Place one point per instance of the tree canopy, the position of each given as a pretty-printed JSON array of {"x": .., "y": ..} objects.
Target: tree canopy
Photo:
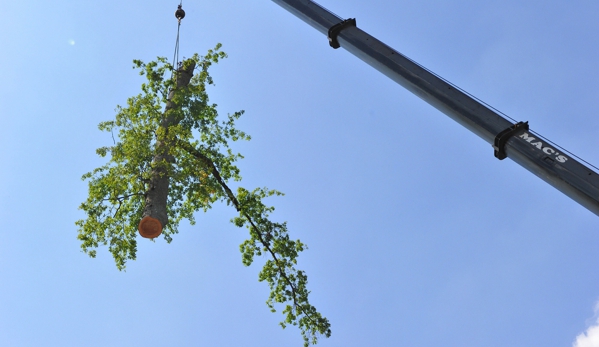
[{"x": 172, "y": 132}]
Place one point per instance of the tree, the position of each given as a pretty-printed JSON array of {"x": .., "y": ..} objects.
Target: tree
[{"x": 167, "y": 165}]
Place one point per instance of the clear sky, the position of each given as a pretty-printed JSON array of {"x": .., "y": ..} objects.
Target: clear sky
[{"x": 417, "y": 235}]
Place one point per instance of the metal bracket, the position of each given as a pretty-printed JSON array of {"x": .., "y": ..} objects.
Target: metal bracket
[
  {"x": 502, "y": 137},
  {"x": 336, "y": 29}
]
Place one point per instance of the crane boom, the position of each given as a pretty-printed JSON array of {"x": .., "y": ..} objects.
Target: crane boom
[{"x": 511, "y": 140}]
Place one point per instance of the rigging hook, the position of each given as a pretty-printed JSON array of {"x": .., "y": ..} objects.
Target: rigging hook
[{"x": 179, "y": 14}]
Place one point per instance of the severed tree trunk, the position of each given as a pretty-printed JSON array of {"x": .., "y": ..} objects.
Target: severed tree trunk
[{"x": 155, "y": 217}]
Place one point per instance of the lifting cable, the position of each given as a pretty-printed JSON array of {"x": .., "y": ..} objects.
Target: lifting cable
[{"x": 179, "y": 14}]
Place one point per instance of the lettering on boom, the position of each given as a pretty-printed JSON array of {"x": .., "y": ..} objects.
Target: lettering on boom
[{"x": 546, "y": 149}]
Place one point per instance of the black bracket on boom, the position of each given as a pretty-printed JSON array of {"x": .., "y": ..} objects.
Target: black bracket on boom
[
  {"x": 502, "y": 137},
  {"x": 336, "y": 29}
]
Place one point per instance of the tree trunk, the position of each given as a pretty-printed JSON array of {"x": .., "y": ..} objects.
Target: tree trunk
[{"x": 155, "y": 216}]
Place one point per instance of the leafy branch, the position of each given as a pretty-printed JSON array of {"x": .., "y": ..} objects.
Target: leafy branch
[
  {"x": 170, "y": 138},
  {"x": 274, "y": 239}
]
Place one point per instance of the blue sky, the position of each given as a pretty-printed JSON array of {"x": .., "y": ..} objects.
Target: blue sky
[{"x": 417, "y": 235}]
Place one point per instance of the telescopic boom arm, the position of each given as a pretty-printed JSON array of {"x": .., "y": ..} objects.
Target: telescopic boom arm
[{"x": 508, "y": 140}]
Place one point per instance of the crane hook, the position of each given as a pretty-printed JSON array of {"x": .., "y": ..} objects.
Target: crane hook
[{"x": 179, "y": 14}]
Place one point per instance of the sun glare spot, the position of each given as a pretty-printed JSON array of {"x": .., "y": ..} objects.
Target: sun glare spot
[{"x": 71, "y": 42}]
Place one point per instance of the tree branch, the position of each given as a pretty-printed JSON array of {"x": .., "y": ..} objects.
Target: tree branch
[
  {"x": 120, "y": 199},
  {"x": 204, "y": 159}
]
